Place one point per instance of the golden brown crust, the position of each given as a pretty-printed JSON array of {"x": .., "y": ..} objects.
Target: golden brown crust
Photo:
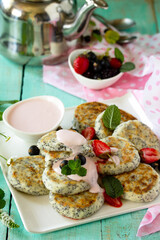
[
  {"x": 86, "y": 113},
  {"x": 81, "y": 200},
  {"x": 139, "y": 181}
]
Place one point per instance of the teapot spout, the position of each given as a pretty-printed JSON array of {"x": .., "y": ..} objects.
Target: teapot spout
[{"x": 75, "y": 27}]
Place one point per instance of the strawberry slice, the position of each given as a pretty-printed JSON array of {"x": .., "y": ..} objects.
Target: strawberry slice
[
  {"x": 149, "y": 155},
  {"x": 115, "y": 202},
  {"x": 115, "y": 63},
  {"x": 81, "y": 64},
  {"x": 88, "y": 133},
  {"x": 101, "y": 149}
]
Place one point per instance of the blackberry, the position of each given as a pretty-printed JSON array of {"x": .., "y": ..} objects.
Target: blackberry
[
  {"x": 88, "y": 74},
  {"x": 97, "y": 76}
]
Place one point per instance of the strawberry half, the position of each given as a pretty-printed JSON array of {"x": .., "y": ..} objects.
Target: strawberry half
[
  {"x": 88, "y": 133},
  {"x": 101, "y": 149},
  {"x": 115, "y": 63},
  {"x": 81, "y": 64},
  {"x": 149, "y": 155},
  {"x": 115, "y": 202}
]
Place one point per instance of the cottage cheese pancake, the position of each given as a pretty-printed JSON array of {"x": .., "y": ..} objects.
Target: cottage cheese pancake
[
  {"x": 102, "y": 131},
  {"x": 61, "y": 184},
  {"x": 25, "y": 174},
  {"x": 140, "y": 185},
  {"x": 50, "y": 142},
  {"x": 77, "y": 206},
  {"x": 138, "y": 133},
  {"x": 86, "y": 113},
  {"x": 54, "y": 155},
  {"x": 128, "y": 156}
]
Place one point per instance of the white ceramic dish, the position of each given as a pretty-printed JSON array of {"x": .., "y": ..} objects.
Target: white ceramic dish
[
  {"x": 34, "y": 136},
  {"x": 38, "y": 215},
  {"x": 87, "y": 82}
]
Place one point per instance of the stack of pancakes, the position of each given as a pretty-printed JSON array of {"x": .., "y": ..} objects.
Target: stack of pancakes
[
  {"x": 72, "y": 198},
  {"x": 140, "y": 181}
]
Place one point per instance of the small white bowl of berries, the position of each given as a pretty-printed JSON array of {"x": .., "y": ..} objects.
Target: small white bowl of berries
[{"x": 95, "y": 70}]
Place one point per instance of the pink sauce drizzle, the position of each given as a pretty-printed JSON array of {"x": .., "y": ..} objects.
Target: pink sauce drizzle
[{"x": 74, "y": 140}]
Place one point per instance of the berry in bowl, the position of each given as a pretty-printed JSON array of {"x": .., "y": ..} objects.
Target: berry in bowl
[{"x": 96, "y": 70}]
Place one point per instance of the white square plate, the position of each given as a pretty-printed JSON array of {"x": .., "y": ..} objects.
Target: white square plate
[{"x": 36, "y": 213}]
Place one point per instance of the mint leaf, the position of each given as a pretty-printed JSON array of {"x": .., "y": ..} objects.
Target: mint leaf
[
  {"x": 128, "y": 66},
  {"x": 97, "y": 37},
  {"x": 2, "y": 203},
  {"x": 66, "y": 170},
  {"x": 111, "y": 117},
  {"x": 82, "y": 172},
  {"x": 111, "y": 36},
  {"x": 113, "y": 186},
  {"x": 74, "y": 164},
  {"x": 2, "y": 194},
  {"x": 119, "y": 55}
]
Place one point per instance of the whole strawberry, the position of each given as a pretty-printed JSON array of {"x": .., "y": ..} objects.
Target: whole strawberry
[
  {"x": 115, "y": 63},
  {"x": 81, "y": 64}
]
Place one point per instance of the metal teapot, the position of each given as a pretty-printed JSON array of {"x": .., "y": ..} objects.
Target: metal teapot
[{"x": 39, "y": 32}]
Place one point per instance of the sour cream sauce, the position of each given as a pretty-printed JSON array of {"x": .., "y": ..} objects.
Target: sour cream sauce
[
  {"x": 74, "y": 140},
  {"x": 34, "y": 115}
]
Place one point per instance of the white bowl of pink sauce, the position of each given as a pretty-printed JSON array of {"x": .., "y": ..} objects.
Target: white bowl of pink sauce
[{"x": 31, "y": 118}]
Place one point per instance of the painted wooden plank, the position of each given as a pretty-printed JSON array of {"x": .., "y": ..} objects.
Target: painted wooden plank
[
  {"x": 140, "y": 11},
  {"x": 10, "y": 88},
  {"x": 157, "y": 13},
  {"x": 34, "y": 86}
]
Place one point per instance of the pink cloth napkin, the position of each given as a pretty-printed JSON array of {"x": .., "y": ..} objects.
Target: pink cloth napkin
[
  {"x": 151, "y": 222},
  {"x": 143, "y": 81}
]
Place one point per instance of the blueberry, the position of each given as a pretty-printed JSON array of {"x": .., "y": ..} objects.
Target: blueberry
[
  {"x": 63, "y": 163},
  {"x": 87, "y": 38},
  {"x": 33, "y": 150},
  {"x": 91, "y": 56},
  {"x": 96, "y": 31},
  {"x": 81, "y": 157},
  {"x": 105, "y": 62}
]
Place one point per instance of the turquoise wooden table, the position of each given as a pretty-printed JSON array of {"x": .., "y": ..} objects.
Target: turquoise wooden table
[{"x": 21, "y": 82}]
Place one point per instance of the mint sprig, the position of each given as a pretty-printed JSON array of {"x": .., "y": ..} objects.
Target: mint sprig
[
  {"x": 119, "y": 55},
  {"x": 128, "y": 66},
  {"x": 111, "y": 117},
  {"x": 74, "y": 167},
  {"x": 113, "y": 186}
]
